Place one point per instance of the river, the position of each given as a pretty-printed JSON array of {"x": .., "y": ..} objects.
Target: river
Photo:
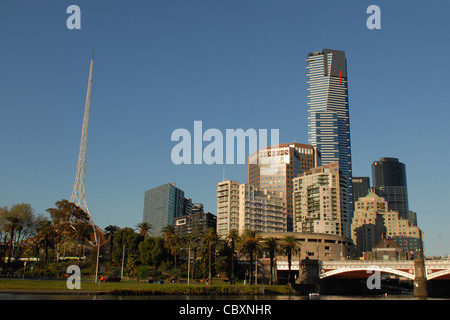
[{"x": 10, "y": 296}]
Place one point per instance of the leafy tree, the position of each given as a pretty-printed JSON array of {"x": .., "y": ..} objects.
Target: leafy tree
[
  {"x": 67, "y": 217},
  {"x": 17, "y": 224},
  {"x": 125, "y": 238},
  {"x": 250, "y": 245},
  {"x": 289, "y": 247},
  {"x": 151, "y": 251}
]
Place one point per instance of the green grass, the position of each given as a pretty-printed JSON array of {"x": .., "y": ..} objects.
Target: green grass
[{"x": 137, "y": 288}]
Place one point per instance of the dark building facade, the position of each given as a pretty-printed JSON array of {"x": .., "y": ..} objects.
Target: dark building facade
[
  {"x": 196, "y": 222},
  {"x": 361, "y": 187},
  {"x": 389, "y": 180}
]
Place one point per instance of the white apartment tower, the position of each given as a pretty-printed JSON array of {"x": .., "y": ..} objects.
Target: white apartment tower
[
  {"x": 320, "y": 201},
  {"x": 243, "y": 206}
]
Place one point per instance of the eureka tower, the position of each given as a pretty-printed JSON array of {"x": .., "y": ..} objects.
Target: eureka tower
[{"x": 328, "y": 111}]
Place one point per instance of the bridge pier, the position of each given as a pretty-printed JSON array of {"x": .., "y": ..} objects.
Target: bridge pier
[
  {"x": 308, "y": 280},
  {"x": 420, "y": 278}
]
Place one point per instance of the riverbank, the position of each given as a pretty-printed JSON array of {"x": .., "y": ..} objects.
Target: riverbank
[{"x": 137, "y": 288}]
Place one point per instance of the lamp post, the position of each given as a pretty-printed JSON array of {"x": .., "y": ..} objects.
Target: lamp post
[{"x": 189, "y": 261}]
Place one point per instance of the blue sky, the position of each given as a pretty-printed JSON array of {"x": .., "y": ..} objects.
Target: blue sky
[{"x": 161, "y": 65}]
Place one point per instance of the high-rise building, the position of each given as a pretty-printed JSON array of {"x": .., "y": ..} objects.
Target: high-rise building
[
  {"x": 197, "y": 208},
  {"x": 360, "y": 188},
  {"x": 244, "y": 206},
  {"x": 161, "y": 205},
  {"x": 328, "y": 110},
  {"x": 389, "y": 179},
  {"x": 320, "y": 201},
  {"x": 273, "y": 168},
  {"x": 195, "y": 222}
]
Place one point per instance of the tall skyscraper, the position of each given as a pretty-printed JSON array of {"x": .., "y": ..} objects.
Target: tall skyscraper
[
  {"x": 162, "y": 205},
  {"x": 389, "y": 179},
  {"x": 273, "y": 168},
  {"x": 328, "y": 110}
]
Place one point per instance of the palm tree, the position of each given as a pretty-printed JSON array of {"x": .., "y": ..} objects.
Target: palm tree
[
  {"x": 251, "y": 246},
  {"x": 171, "y": 242},
  {"x": 271, "y": 247},
  {"x": 13, "y": 224},
  {"x": 144, "y": 229},
  {"x": 289, "y": 247},
  {"x": 111, "y": 232},
  {"x": 210, "y": 238},
  {"x": 233, "y": 237},
  {"x": 46, "y": 234}
]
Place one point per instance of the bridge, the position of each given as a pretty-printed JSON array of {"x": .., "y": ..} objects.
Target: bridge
[{"x": 434, "y": 269}]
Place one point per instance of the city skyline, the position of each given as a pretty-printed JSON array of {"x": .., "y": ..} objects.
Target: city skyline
[{"x": 162, "y": 66}]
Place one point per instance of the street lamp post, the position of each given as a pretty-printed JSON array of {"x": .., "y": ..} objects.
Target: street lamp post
[{"x": 189, "y": 261}]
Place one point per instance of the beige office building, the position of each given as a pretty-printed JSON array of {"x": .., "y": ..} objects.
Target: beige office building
[
  {"x": 373, "y": 222},
  {"x": 321, "y": 201},
  {"x": 243, "y": 206}
]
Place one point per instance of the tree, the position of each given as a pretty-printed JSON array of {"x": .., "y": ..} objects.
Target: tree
[
  {"x": 66, "y": 218},
  {"x": 210, "y": 238},
  {"x": 271, "y": 247},
  {"x": 171, "y": 242},
  {"x": 233, "y": 238},
  {"x": 251, "y": 245},
  {"x": 128, "y": 238},
  {"x": 110, "y": 233},
  {"x": 46, "y": 235},
  {"x": 144, "y": 229},
  {"x": 151, "y": 251},
  {"x": 17, "y": 224},
  {"x": 289, "y": 247}
]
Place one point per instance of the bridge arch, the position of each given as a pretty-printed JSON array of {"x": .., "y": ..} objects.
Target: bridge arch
[
  {"x": 439, "y": 274},
  {"x": 368, "y": 270}
]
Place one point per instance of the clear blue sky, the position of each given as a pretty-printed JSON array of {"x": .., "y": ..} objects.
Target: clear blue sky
[{"x": 160, "y": 65}]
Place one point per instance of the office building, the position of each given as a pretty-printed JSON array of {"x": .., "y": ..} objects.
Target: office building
[
  {"x": 197, "y": 208},
  {"x": 273, "y": 168},
  {"x": 328, "y": 111},
  {"x": 161, "y": 205},
  {"x": 389, "y": 179},
  {"x": 368, "y": 224},
  {"x": 360, "y": 188},
  {"x": 321, "y": 201},
  {"x": 195, "y": 222},
  {"x": 244, "y": 206},
  {"x": 374, "y": 221}
]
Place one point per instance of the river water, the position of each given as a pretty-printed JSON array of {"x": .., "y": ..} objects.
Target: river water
[{"x": 8, "y": 296}]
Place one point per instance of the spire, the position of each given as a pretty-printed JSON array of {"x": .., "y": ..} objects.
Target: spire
[{"x": 79, "y": 191}]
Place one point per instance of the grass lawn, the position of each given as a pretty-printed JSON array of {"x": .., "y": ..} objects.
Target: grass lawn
[{"x": 138, "y": 288}]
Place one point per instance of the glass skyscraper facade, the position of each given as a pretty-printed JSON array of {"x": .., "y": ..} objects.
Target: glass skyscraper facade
[
  {"x": 328, "y": 111},
  {"x": 162, "y": 205}
]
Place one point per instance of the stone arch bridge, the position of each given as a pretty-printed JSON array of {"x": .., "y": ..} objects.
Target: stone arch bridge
[{"x": 434, "y": 269}]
